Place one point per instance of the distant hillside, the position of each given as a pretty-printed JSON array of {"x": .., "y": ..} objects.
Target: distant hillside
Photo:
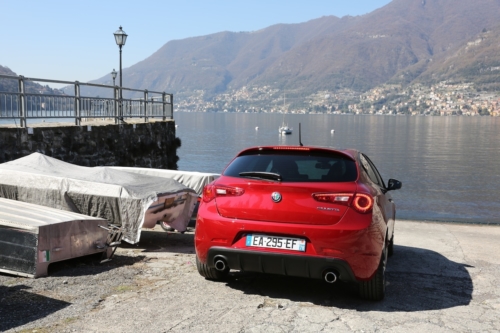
[
  {"x": 405, "y": 41},
  {"x": 10, "y": 85},
  {"x": 7, "y": 85},
  {"x": 386, "y": 42},
  {"x": 477, "y": 61}
]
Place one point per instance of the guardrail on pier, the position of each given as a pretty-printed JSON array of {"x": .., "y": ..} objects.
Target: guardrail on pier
[{"x": 29, "y": 103}]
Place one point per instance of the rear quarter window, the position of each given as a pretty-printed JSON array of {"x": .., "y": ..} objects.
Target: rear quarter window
[{"x": 297, "y": 167}]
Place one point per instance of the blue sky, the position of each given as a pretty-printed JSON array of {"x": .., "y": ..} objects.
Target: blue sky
[{"x": 73, "y": 40}]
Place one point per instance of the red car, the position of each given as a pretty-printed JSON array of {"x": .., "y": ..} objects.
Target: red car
[{"x": 299, "y": 211}]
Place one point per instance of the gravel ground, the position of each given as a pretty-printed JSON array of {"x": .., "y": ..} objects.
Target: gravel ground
[
  {"x": 79, "y": 286},
  {"x": 442, "y": 278}
]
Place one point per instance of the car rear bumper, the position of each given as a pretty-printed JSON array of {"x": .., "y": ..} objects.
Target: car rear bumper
[
  {"x": 281, "y": 264},
  {"x": 355, "y": 242}
]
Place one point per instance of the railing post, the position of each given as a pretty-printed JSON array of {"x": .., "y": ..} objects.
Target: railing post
[
  {"x": 78, "y": 118},
  {"x": 163, "y": 102},
  {"x": 22, "y": 103},
  {"x": 171, "y": 106},
  {"x": 152, "y": 110},
  {"x": 146, "y": 106},
  {"x": 117, "y": 115}
]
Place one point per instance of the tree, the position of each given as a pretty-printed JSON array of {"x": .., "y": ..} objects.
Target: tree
[{"x": 483, "y": 112}]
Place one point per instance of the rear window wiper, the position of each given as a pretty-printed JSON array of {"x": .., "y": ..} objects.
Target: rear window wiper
[{"x": 261, "y": 175}]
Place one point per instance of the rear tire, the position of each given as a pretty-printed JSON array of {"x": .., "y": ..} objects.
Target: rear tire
[
  {"x": 210, "y": 273},
  {"x": 374, "y": 289}
]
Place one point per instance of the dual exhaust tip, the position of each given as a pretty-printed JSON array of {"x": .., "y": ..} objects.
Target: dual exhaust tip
[{"x": 330, "y": 276}]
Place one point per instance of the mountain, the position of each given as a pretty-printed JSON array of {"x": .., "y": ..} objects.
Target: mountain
[
  {"x": 384, "y": 43},
  {"x": 225, "y": 60},
  {"x": 405, "y": 41}
]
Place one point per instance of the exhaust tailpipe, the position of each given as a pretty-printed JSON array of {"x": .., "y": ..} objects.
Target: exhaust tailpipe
[
  {"x": 220, "y": 264},
  {"x": 330, "y": 276}
]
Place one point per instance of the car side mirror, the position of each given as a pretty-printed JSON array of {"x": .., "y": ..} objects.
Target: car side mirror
[{"x": 394, "y": 184}]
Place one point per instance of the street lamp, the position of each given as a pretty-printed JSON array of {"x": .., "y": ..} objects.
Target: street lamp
[
  {"x": 120, "y": 38},
  {"x": 113, "y": 75}
]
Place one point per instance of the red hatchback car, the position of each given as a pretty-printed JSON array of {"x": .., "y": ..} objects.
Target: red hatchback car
[{"x": 299, "y": 211}]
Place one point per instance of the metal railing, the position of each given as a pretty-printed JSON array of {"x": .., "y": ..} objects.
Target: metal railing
[{"x": 28, "y": 103}]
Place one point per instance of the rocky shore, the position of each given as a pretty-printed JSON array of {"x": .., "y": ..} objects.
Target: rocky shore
[{"x": 442, "y": 278}]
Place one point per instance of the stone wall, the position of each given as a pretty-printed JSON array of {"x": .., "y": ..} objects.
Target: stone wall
[{"x": 149, "y": 145}]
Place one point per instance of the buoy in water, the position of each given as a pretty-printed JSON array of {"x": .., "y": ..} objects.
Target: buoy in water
[
  {"x": 256, "y": 128},
  {"x": 332, "y": 131}
]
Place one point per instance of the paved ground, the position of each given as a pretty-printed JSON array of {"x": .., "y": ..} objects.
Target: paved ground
[{"x": 442, "y": 278}]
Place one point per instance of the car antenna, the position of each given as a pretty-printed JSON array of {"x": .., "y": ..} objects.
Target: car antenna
[{"x": 300, "y": 136}]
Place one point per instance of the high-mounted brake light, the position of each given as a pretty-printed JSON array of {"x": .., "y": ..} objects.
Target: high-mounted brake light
[
  {"x": 290, "y": 148},
  {"x": 362, "y": 203},
  {"x": 211, "y": 192}
]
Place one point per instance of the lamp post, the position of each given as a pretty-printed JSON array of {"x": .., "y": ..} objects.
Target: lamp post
[
  {"x": 120, "y": 38},
  {"x": 113, "y": 75}
]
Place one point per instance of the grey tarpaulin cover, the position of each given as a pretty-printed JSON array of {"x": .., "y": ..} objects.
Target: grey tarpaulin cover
[
  {"x": 128, "y": 199},
  {"x": 192, "y": 179}
]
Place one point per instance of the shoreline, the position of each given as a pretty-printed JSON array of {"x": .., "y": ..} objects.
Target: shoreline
[
  {"x": 475, "y": 223},
  {"x": 88, "y": 122}
]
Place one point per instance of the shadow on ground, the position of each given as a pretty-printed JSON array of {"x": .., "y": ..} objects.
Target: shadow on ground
[
  {"x": 158, "y": 240},
  {"x": 89, "y": 265},
  {"x": 18, "y": 306},
  {"x": 418, "y": 280}
]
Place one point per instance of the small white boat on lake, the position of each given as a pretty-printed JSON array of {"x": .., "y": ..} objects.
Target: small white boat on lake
[{"x": 285, "y": 129}]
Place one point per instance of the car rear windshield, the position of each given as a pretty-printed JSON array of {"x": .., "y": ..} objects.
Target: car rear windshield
[{"x": 294, "y": 167}]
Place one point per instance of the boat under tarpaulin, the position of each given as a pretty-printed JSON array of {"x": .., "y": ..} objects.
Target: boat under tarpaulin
[
  {"x": 192, "y": 179},
  {"x": 130, "y": 200}
]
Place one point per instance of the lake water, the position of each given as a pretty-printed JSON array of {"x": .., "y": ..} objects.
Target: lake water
[{"x": 449, "y": 166}]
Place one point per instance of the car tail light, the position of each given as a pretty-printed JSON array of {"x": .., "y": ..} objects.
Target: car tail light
[
  {"x": 211, "y": 192},
  {"x": 362, "y": 203}
]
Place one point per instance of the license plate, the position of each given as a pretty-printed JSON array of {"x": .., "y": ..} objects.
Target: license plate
[{"x": 273, "y": 242}]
